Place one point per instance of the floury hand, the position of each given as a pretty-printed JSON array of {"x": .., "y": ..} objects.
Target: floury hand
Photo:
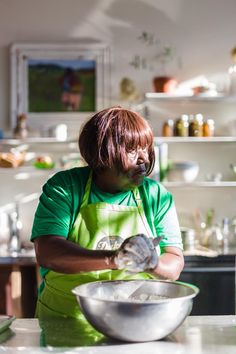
[{"x": 137, "y": 254}]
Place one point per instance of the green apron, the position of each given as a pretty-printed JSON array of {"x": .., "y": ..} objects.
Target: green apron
[{"x": 98, "y": 226}]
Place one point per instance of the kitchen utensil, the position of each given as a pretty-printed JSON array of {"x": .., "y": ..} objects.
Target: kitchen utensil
[
  {"x": 189, "y": 238},
  {"x": 108, "y": 308}
]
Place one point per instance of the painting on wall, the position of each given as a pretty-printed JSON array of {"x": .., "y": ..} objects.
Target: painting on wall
[
  {"x": 50, "y": 81},
  {"x": 61, "y": 85}
]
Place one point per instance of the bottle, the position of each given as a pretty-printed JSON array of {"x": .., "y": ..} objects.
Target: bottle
[
  {"x": 167, "y": 128},
  {"x": 21, "y": 129},
  {"x": 208, "y": 128},
  {"x": 226, "y": 234},
  {"x": 181, "y": 126},
  {"x": 196, "y": 125}
]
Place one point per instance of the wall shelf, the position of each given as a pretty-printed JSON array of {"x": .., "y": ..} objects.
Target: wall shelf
[
  {"x": 177, "y": 139},
  {"x": 201, "y": 97},
  {"x": 35, "y": 140},
  {"x": 204, "y": 184}
]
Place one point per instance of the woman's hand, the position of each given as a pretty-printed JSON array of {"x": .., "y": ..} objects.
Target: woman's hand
[{"x": 137, "y": 254}]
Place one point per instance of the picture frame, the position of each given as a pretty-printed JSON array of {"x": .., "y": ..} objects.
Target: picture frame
[{"x": 42, "y": 89}]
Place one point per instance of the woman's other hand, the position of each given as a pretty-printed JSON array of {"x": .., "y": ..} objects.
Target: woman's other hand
[{"x": 137, "y": 254}]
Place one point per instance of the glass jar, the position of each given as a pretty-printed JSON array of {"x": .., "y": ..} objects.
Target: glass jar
[
  {"x": 208, "y": 128},
  {"x": 196, "y": 125},
  {"x": 168, "y": 128},
  {"x": 181, "y": 126}
]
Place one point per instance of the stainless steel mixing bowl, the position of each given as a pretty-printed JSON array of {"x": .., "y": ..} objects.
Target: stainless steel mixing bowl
[{"x": 110, "y": 307}]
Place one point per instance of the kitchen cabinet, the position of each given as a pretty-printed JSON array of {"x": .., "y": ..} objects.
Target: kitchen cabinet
[
  {"x": 18, "y": 296},
  {"x": 213, "y": 154},
  {"x": 215, "y": 277}
]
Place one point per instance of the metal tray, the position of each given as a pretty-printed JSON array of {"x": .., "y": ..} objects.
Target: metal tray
[{"x": 5, "y": 322}]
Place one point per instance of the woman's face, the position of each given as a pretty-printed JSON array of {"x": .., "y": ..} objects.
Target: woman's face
[
  {"x": 114, "y": 181},
  {"x": 138, "y": 162}
]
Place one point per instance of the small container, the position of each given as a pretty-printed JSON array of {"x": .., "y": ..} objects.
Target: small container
[
  {"x": 168, "y": 128},
  {"x": 189, "y": 238},
  {"x": 208, "y": 128},
  {"x": 181, "y": 126},
  {"x": 196, "y": 125}
]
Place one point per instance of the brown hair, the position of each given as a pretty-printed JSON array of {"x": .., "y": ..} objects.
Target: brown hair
[{"x": 110, "y": 134}]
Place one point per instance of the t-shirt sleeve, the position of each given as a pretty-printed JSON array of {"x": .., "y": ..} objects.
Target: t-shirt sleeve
[
  {"x": 53, "y": 214},
  {"x": 166, "y": 221}
]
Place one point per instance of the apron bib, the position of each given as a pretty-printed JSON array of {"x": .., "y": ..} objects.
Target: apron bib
[{"x": 98, "y": 226}]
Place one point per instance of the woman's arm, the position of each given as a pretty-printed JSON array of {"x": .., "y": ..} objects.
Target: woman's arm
[
  {"x": 63, "y": 256},
  {"x": 170, "y": 264}
]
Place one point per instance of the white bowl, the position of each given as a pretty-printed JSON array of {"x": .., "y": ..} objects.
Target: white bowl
[{"x": 183, "y": 171}]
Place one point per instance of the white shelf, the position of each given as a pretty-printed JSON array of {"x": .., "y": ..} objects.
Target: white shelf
[
  {"x": 35, "y": 140},
  {"x": 204, "y": 184},
  {"x": 200, "y": 97},
  {"x": 189, "y": 139},
  {"x": 29, "y": 170}
]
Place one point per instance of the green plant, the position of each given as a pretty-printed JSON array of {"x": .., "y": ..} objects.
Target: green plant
[{"x": 158, "y": 54}]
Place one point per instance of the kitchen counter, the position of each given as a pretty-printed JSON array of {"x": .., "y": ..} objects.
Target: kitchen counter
[{"x": 198, "y": 334}]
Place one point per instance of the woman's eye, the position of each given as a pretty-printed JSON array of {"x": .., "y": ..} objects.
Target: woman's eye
[{"x": 132, "y": 155}]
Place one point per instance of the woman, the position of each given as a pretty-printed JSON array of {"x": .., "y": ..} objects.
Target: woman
[{"x": 97, "y": 222}]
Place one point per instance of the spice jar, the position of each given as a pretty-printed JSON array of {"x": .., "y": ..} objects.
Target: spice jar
[
  {"x": 208, "y": 127},
  {"x": 196, "y": 125},
  {"x": 181, "y": 126},
  {"x": 167, "y": 128}
]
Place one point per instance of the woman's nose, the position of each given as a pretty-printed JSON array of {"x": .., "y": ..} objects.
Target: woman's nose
[{"x": 142, "y": 157}]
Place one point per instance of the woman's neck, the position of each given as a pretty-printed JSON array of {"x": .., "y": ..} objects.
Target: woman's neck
[{"x": 109, "y": 181}]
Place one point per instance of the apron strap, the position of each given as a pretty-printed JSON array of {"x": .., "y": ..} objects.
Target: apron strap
[
  {"x": 87, "y": 190},
  {"x": 139, "y": 203}
]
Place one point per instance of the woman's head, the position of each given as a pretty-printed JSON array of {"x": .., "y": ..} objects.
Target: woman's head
[{"x": 115, "y": 135}]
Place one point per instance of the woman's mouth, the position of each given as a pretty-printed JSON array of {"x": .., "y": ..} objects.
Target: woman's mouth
[
  {"x": 140, "y": 170},
  {"x": 138, "y": 173}
]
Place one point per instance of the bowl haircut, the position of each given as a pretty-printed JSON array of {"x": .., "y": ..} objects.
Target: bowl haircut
[{"x": 109, "y": 135}]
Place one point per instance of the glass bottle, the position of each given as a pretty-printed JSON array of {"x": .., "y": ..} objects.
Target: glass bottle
[
  {"x": 226, "y": 234},
  {"x": 181, "y": 126},
  {"x": 208, "y": 128},
  {"x": 168, "y": 128},
  {"x": 196, "y": 125}
]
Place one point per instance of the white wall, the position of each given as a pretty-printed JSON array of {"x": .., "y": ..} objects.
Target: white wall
[{"x": 202, "y": 32}]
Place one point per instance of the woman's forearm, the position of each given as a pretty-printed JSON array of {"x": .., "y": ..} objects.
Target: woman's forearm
[
  {"x": 61, "y": 255},
  {"x": 170, "y": 264}
]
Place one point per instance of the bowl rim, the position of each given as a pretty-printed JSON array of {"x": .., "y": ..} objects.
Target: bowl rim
[{"x": 194, "y": 288}]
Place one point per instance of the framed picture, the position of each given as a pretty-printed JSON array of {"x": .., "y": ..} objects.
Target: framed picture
[{"x": 53, "y": 81}]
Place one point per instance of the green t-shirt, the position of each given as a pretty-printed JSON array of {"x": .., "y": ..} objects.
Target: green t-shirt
[{"x": 62, "y": 196}]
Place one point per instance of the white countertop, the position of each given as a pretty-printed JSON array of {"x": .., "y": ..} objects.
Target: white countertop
[{"x": 198, "y": 334}]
